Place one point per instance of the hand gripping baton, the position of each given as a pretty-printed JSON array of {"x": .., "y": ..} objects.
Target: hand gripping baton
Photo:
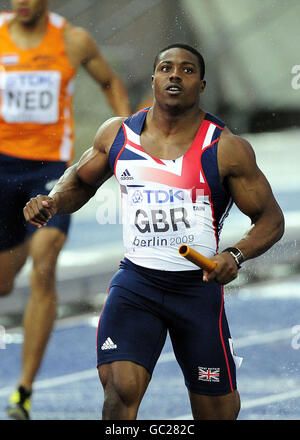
[{"x": 196, "y": 258}]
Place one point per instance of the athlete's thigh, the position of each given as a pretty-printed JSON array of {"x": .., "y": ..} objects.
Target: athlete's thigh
[
  {"x": 130, "y": 328},
  {"x": 11, "y": 261},
  {"x": 124, "y": 380},
  {"x": 201, "y": 340},
  {"x": 45, "y": 246},
  {"x": 12, "y": 201}
]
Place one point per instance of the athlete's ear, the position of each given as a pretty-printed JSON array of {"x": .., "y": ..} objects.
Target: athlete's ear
[
  {"x": 152, "y": 78},
  {"x": 202, "y": 85}
]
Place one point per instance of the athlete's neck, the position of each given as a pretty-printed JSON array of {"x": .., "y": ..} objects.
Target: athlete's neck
[
  {"x": 27, "y": 34},
  {"x": 171, "y": 123}
]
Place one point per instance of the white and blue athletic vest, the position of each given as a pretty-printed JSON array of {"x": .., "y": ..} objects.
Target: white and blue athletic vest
[{"x": 167, "y": 203}]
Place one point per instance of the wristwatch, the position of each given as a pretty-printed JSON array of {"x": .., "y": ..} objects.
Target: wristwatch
[{"x": 236, "y": 255}]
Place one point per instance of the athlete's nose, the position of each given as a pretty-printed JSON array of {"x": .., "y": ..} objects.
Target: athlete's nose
[
  {"x": 22, "y": 2},
  {"x": 175, "y": 75}
]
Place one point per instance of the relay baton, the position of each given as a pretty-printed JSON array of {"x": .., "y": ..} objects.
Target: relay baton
[{"x": 196, "y": 258}]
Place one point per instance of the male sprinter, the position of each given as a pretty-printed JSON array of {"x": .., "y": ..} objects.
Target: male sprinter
[
  {"x": 40, "y": 53},
  {"x": 185, "y": 168}
]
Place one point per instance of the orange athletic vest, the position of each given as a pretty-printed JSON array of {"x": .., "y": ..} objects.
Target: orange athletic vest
[{"x": 36, "y": 94}]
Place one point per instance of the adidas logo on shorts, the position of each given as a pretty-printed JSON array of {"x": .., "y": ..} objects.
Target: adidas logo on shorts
[{"x": 108, "y": 345}]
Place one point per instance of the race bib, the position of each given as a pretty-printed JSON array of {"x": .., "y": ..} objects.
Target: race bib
[
  {"x": 160, "y": 217},
  {"x": 30, "y": 96}
]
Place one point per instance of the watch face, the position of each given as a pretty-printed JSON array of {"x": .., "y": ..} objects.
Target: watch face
[
  {"x": 236, "y": 255},
  {"x": 235, "y": 258},
  {"x": 240, "y": 257}
]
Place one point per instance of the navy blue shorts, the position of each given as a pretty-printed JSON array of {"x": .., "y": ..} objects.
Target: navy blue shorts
[
  {"x": 144, "y": 304},
  {"x": 20, "y": 180}
]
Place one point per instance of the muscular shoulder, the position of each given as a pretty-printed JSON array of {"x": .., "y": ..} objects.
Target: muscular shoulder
[
  {"x": 106, "y": 134},
  {"x": 235, "y": 154},
  {"x": 93, "y": 167},
  {"x": 79, "y": 43}
]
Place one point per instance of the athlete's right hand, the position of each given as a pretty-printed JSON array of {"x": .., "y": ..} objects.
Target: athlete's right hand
[{"x": 39, "y": 210}]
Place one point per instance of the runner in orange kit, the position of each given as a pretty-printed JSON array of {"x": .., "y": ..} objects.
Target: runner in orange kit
[{"x": 40, "y": 53}]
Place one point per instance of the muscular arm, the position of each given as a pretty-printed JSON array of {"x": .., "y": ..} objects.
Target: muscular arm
[
  {"x": 70, "y": 193},
  {"x": 83, "y": 50},
  {"x": 79, "y": 182},
  {"x": 252, "y": 194}
]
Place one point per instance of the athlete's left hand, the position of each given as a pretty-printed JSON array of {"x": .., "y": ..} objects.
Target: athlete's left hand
[{"x": 225, "y": 271}]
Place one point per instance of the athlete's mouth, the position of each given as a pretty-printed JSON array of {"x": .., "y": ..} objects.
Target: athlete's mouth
[
  {"x": 23, "y": 12},
  {"x": 174, "y": 88}
]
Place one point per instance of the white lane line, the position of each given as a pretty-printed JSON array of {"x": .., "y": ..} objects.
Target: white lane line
[
  {"x": 260, "y": 401},
  {"x": 267, "y": 400},
  {"x": 55, "y": 381},
  {"x": 256, "y": 339},
  {"x": 75, "y": 377},
  {"x": 263, "y": 338}
]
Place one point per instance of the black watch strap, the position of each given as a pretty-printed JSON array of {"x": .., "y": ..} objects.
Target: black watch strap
[{"x": 236, "y": 255}]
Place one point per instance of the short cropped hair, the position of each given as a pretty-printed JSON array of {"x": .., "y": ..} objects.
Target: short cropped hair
[{"x": 186, "y": 47}]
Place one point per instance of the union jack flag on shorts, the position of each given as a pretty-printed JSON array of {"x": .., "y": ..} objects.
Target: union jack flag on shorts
[{"x": 209, "y": 374}]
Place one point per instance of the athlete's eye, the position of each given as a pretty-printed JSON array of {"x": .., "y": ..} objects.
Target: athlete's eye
[
  {"x": 165, "y": 68},
  {"x": 188, "y": 70}
]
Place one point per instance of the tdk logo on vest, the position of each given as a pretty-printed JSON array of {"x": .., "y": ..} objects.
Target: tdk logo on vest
[
  {"x": 162, "y": 196},
  {"x": 30, "y": 79},
  {"x": 126, "y": 175},
  {"x": 137, "y": 196}
]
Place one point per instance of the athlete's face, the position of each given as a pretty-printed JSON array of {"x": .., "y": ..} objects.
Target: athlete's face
[
  {"x": 29, "y": 11},
  {"x": 176, "y": 80}
]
